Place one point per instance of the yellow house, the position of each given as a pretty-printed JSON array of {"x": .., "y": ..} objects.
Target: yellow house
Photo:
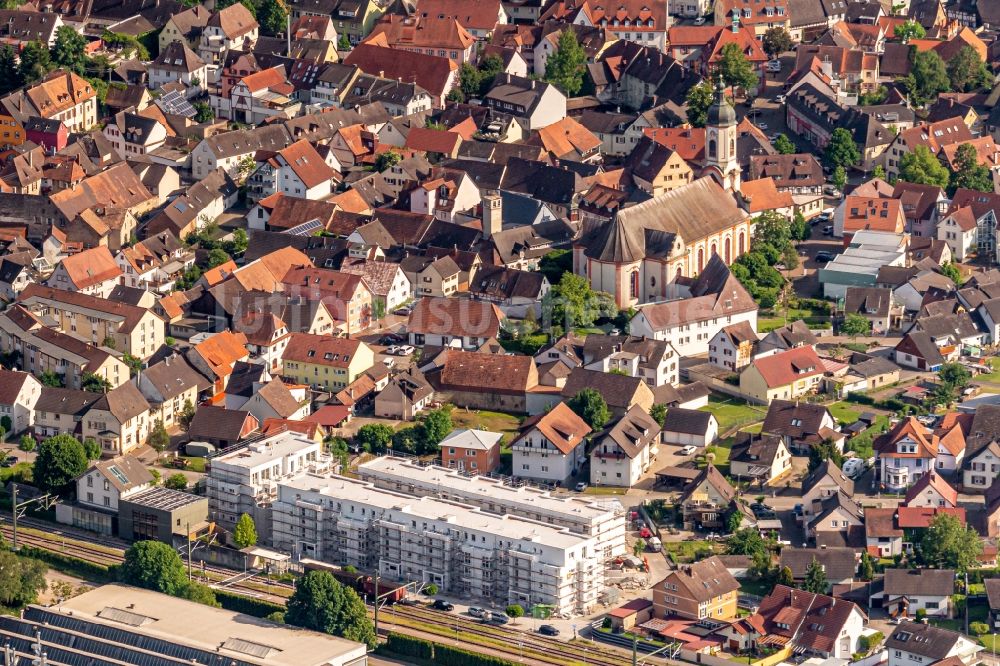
[
  {"x": 11, "y": 130},
  {"x": 699, "y": 591},
  {"x": 324, "y": 361},
  {"x": 657, "y": 169},
  {"x": 784, "y": 376}
]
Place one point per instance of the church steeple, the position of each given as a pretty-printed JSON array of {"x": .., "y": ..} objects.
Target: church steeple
[{"x": 720, "y": 141}]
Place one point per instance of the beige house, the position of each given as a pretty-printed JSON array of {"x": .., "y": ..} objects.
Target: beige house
[
  {"x": 761, "y": 458},
  {"x": 119, "y": 421},
  {"x": 59, "y": 410},
  {"x": 786, "y": 376},
  {"x": 404, "y": 396},
  {"x": 43, "y": 349},
  {"x": 960, "y": 231},
  {"x": 438, "y": 278},
  {"x": 168, "y": 386},
  {"x": 127, "y": 328}
]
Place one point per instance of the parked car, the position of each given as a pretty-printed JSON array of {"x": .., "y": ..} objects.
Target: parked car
[
  {"x": 9, "y": 461},
  {"x": 700, "y": 20},
  {"x": 645, "y": 533},
  {"x": 389, "y": 362},
  {"x": 580, "y": 487},
  {"x": 409, "y": 601},
  {"x": 475, "y": 611},
  {"x": 687, "y": 450},
  {"x": 402, "y": 312},
  {"x": 548, "y": 630},
  {"x": 831, "y": 191},
  {"x": 495, "y": 617},
  {"x": 762, "y": 125},
  {"x": 391, "y": 339},
  {"x": 762, "y": 511},
  {"x": 392, "y": 349},
  {"x": 828, "y": 230},
  {"x": 823, "y": 256},
  {"x": 442, "y": 605},
  {"x": 853, "y": 468},
  {"x": 780, "y": 99},
  {"x": 774, "y": 66},
  {"x": 404, "y": 350}
]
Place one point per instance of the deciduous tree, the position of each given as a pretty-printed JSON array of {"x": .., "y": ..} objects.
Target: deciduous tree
[
  {"x": 321, "y": 603},
  {"x": 60, "y": 460},
  {"x": 21, "y": 579},
  {"x": 69, "y": 49},
  {"x": 245, "y": 532},
  {"x": 590, "y": 406},
  {"x": 735, "y": 68},
  {"x": 969, "y": 174},
  {"x": 698, "y": 99},
  {"x": 922, "y": 167},
  {"x": 784, "y": 145},
  {"x": 777, "y": 40},
  {"x": 155, "y": 566},
  {"x": 567, "y": 65},
  {"x": 842, "y": 151},
  {"x": 967, "y": 71},
  {"x": 948, "y": 544}
]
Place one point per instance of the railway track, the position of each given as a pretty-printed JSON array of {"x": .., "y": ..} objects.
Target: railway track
[
  {"x": 511, "y": 642},
  {"x": 597, "y": 654}
]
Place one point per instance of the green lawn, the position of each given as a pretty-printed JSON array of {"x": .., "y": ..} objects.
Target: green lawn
[
  {"x": 845, "y": 412},
  {"x": 195, "y": 464},
  {"x": 778, "y": 317},
  {"x": 687, "y": 551},
  {"x": 731, "y": 412},
  {"x": 756, "y": 586},
  {"x": 991, "y": 377},
  {"x": 484, "y": 420},
  {"x": 754, "y": 429}
]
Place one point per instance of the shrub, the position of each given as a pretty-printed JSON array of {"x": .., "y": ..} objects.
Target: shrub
[
  {"x": 247, "y": 605},
  {"x": 409, "y": 646},
  {"x": 921, "y": 614},
  {"x": 869, "y": 643},
  {"x": 431, "y": 590},
  {"x": 979, "y": 628}
]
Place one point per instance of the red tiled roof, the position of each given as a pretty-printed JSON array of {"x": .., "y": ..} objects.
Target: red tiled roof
[{"x": 789, "y": 366}]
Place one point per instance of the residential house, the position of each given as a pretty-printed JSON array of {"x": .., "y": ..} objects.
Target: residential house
[
  {"x": 43, "y": 349},
  {"x": 620, "y": 392},
  {"x": 220, "y": 427},
  {"x": 982, "y": 455},
  {"x": 177, "y": 62},
  {"x": 62, "y": 96},
  {"x": 436, "y": 75},
  {"x": 228, "y": 150},
  {"x": 839, "y": 564},
  {"x": 931, "y": 490},
  {"x": 801, "y": 425},
  {"x": 761, "y": 18},
  {"x": 715, "y": 300},
  {"x": 133, "y": 134},
  {"x": 60, "y": 411},
  {"x": 761, "y": 458},
  {"x": 186, "y": 25},
  {"x": 471, "y": 451},
  {"x": 275, "y": 400},
  {"x": 346, "y": 296},
  {"x": 786, "y": 375},
  {"x": 837, "y": 521},
  {"x": 689, "y": 427},
  {"x": 703, "y": 590},
  {"x": 817, "y": 623},
  {"x": 295, "y": 171},
  {"x": 960, "y": 230},
  {"x": 106, "y": 482},
  {"x": 654, "y": 361},
  {"x": 422, "y": 32},
  {"x": 657, "y": 169},
  {"x": 129, "y": 328},
  {"x": 622, "y": 452},
  {"x": 326, "y": 362},
  {"x": 216, "y": 356},
  {"x": 878, "y": 305},
  {"x": 406, "y": 394},
  {"x": 933, "y": 136},
  {"x": 906, "y": 591},
  {"x": 534, "y": 104},
  {"x": 169, "y": 387},
  {"x": 453, "y": 322},
  {"x": 883, "y": 537},
  {"x": 228, "y": 29},
  {"x": 551, "y": 446},
  {"x": 825, "y": 481},
  {"x": 119, "y": 421},
  {"x": 19, "y": 393},
  {"x": 93, "y": 272},
  {"x": 707, "y": 501},
  {"x": 733, "y": 346},
  {"x": 918, "y": 643},
  {"x": 904, "y": 454},
  {"x": 488, "y": 379}
]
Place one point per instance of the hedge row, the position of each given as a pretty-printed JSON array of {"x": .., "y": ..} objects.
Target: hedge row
[
  {"x": 247, "y": 605},
  {"x": 409, "y": 646},
  {"x": 70, "y": 565},
  {"x": 427, "y": 652},
  {"x": 891, "y": 404}
]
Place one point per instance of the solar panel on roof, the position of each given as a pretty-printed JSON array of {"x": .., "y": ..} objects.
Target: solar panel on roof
[
  {"x": 175, "y": 103},
  {"x": 118, "y": 474},
  {"x": 305, "y": 229}
]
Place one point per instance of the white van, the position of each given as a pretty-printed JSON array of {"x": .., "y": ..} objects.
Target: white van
[{"x": 653, "y": 544}]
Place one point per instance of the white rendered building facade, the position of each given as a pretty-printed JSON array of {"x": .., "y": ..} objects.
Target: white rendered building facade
[
  {"x": 601, "y": 519},
  {"x": 465, "y": 551}
]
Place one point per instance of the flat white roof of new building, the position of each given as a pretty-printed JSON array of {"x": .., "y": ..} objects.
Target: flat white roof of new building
[
  {"x": 478, "y": 440},
  {"x": 225, "y": 633},
  {"x": 266, "y": 450},
  {"x": 462, "y": 516},
  {"x": 404, "y": 471}
]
